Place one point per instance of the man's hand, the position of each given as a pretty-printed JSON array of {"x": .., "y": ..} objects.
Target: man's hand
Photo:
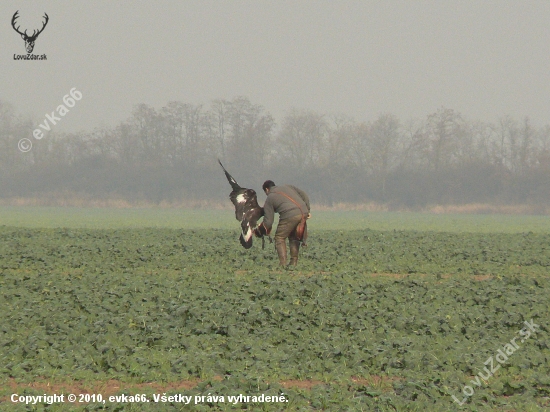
[{"x": 261, "y": 230}]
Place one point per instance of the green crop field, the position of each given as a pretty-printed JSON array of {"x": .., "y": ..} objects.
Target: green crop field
[
  {"x": 385, "y": 312},
  {"x": 110, "y": 218}
]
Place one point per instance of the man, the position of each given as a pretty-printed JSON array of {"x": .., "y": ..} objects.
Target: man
[{"x": 291, "y": 203}]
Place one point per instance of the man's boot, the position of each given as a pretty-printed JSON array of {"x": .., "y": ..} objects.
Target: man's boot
[
  {"x": 294, "y": 250},
  {"x": 281, "y": 251}
]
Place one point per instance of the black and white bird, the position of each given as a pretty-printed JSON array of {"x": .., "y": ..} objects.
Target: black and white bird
[{"x": 247, "y": 210}]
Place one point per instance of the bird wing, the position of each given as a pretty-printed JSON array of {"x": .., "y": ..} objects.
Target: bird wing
[
  {"x": 244, "y": 201},
  {"x": 234, "y": 185},
  {"x": 247, "y": 210},
  {"x": 248, "y": 224}
]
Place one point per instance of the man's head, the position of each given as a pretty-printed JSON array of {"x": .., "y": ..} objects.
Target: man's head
[{"x": 268, "y": 184}]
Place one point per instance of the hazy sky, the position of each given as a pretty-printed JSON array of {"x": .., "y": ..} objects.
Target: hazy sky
[{"x": 483, "y": 58}]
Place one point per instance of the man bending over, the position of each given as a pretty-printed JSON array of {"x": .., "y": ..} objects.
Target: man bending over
[{"x": 291, "y": 203}]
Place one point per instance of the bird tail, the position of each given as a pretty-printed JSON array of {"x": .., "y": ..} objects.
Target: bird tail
[{"x": 230, "y": 178}]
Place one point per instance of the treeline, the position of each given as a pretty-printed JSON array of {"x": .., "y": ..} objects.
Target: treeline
[{"x": 169, "y": 155}]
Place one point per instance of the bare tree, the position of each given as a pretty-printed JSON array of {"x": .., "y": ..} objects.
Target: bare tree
[
  {"x": 527, "y": 134},
  {"x": 339, "y": 141},
  {"x": 146, "y": 127},
  {"x": 442, "y": 134},
  {"x": 383, "y": 140},
  {"x": 219, "y": 123},
  {"x": 543, "y": 148},
  {"x": 302, "y": 138},
  {"x": 250, "y": 134},
  {"x": 183, "y": 128}
]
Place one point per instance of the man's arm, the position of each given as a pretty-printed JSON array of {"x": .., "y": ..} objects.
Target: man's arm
[{"x": 269, "y": 214}]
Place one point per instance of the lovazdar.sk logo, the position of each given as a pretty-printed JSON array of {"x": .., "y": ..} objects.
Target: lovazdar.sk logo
[{"x": 29, "y": 39}]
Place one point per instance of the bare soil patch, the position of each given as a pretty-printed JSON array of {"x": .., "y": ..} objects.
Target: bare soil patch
[{"x": 113, "y": 386}]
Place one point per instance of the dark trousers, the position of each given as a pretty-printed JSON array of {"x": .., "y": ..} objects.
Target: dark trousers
[{"x": 287, "y": 229}]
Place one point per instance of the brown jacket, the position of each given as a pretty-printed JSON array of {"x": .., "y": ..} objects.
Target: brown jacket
[{"x": 276, "y": 202}]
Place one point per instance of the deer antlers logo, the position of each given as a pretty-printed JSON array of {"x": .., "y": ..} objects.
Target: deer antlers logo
[{"x": 29, "y": 40}]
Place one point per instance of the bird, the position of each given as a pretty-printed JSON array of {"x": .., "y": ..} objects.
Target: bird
[{"x": 247, "y": 210}]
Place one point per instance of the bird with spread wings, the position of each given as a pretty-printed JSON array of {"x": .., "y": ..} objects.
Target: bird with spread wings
[{"x": 247, "y": 210}]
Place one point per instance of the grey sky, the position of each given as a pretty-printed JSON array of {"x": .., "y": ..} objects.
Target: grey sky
[{"x": 484, "y": 59}]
